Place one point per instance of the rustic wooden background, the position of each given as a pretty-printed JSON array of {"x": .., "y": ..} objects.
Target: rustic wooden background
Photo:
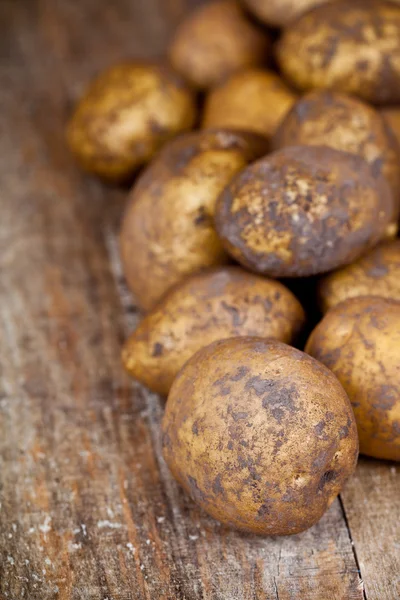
[{"x": 88, "y": 509}]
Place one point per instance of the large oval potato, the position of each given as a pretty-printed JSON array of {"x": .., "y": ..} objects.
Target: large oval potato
[
  {"x": 126, "y": 115},
  {"x": 359, "y": 340},
  {"x": 351, "y": 47},
  {"x": 304, "y": 210},
  {"x": 323, "y": 118},
  {"x": 377, "y": 272},
  {"x": 260, "y": 435},
  {"x": 251, "y": 100},
  {"x": 168, "y": 230},
  {"x": 206, "y": 307},
  {"x": 214, "y": 41},
  {"x": 279, "y": 13}
]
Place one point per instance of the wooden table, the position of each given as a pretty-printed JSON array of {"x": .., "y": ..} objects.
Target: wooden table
[{"x": 88, "y": 508}]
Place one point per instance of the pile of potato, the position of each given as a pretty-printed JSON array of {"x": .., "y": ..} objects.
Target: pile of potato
[{"x": 288, "y": 186}]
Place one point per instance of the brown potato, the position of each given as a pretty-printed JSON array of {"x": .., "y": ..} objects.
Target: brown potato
[
  {"x": 251, "y": 100},
  {"x": 351, "y": 47},
  {"x": 323, "y": 118},
  {"x": 206, "y": 307},
  {"x": 359, "y": 341},
  {"x": 279, "y": 13},
  {"x": 126, "y": 115},
  {"x": 168, "y": 230},
  {"x": 391, "y": 116},
  {"x": 260, "y": 435},
  {"x": 303, "y": 210},
  {"x": 378, "y": 272},
  {"x": 214, "y": 41}
]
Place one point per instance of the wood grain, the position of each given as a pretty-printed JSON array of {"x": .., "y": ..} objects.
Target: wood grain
[{"x": 88, "y": 508}]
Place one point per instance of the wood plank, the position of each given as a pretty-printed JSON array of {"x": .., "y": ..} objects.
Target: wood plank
[
  {"x": 88, "y": 508},
  {"x": 372, "y": 504}
]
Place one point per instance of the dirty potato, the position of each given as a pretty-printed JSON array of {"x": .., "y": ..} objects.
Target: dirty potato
[
  {"x": 279, "y": 13},
  {"x": 251, "y": 100},
  {"x": 126, "y": 115},
  {"x": 216, "y": 40},
  {"x": 168, "y": 230},
  {"x": 391, "y": 116},
  {"x": 206, "y": 307},
  {"x": 377, "y": 272},
  {"x": 359, "y": 340},
  {"x": 304, "y": 210},
  {"x": 260, "y": 435},
  {"x": 351, "y": 47},
  {"x": 323, "y": 118}
]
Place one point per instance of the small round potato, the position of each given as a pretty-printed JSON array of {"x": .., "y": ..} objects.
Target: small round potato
[
  {"x": 126, "y": 115},
  {"x": 260, "y": 435},
  {"x": 279, "y": 13},
  {"x": 377, "y": 272},
  {"x": 359, "y": 341},
  {"x": 304, "y": 210},
  {"x": 251, "y": 100},
  {"x": 391, "y": 117},
  {"x": 214, "y": 41},
  {"x": 349, "y": 46},
  {"x": 206, "y": 307},
  {"x": 323, "y": 118},
  {"x": 168, "y": 229}
]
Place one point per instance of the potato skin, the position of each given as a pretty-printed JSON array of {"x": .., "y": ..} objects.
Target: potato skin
[
  {"x": 126, "y": 115},
  {"x": 359, "y": 340},
  {"x": 206, "y": 307},
  {"x": 391, "y": 116},
  {"x": 260, "y": 436},
  {"x": 323, "y": 118},
  {"x": 377, "y": 272},
  {"x": 214, "y": 41},
  {"x": 279, "y": 13},
  {"x": 168, "y": 229},
  {"x": 251, "y": 100},
  {"x": 351, "y": 47},
  {"x": 303, "y": 210}
]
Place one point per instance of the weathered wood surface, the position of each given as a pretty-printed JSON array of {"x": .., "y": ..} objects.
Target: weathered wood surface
[{"x": 88, "y": 508}]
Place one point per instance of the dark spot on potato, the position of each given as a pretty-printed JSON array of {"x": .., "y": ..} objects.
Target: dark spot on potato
[
  {"x": 259, "y": 385},
  {"x": 319, "y": 428},
  {"x": 326, "y": 478},
  {"x": 264, "y": 510},
  {"x": 195, "y": 428},
  {"x": 195, "y": 491},
  {"x": 217, "y": 486},
  {"x": 230, "y": 445},
  {"x": 343, "y": 432},
  {"x": 157, "y": 349},
  {"x": 278, "y": 414},
  {"x": 240, "y": 373},
  {"x": 237, "y": 320},
  {"x": 237, "y": 416}
]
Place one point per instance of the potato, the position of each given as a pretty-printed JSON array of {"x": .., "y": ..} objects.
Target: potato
[
  {"x": 279, "y": 13},
  {"x": 126, "y": 115},
  {"x": 214, "y": 41},
  {"x": 391, "y": 116},
  {"x": 323, "y": 118},
  {"x": 359, "y": 341},
  {"x": 206, "y": 307},
  {"x": 168, "y": 230},
  {"x": 377, "y": 272},
  {"x": 260, "y": 435},
  {"x": 303, "y": 210},
  {"x": 252, "y": 100},
  {"x": 349, "y": 46}
]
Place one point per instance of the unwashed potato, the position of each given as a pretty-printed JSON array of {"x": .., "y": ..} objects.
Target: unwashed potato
[
  {"x": 304, "y": 210},
  {"x": 126, "y": 115},
  {"x": 260, "y": 435},
  {"x": 206, "y": 307},
  {"x": 359, "y": 341},
  {"x": 378, "y": 273},
  {"x": 279, "y": 13},
  {"x": 251, "y": 100},
  {"x": 216, "y": 40},
  {"x": 349, "y": 46},
  {"x": 391, "y": 116},
  {"x": 323, "y": 118},
  {"x": 168, "y": 230}
]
